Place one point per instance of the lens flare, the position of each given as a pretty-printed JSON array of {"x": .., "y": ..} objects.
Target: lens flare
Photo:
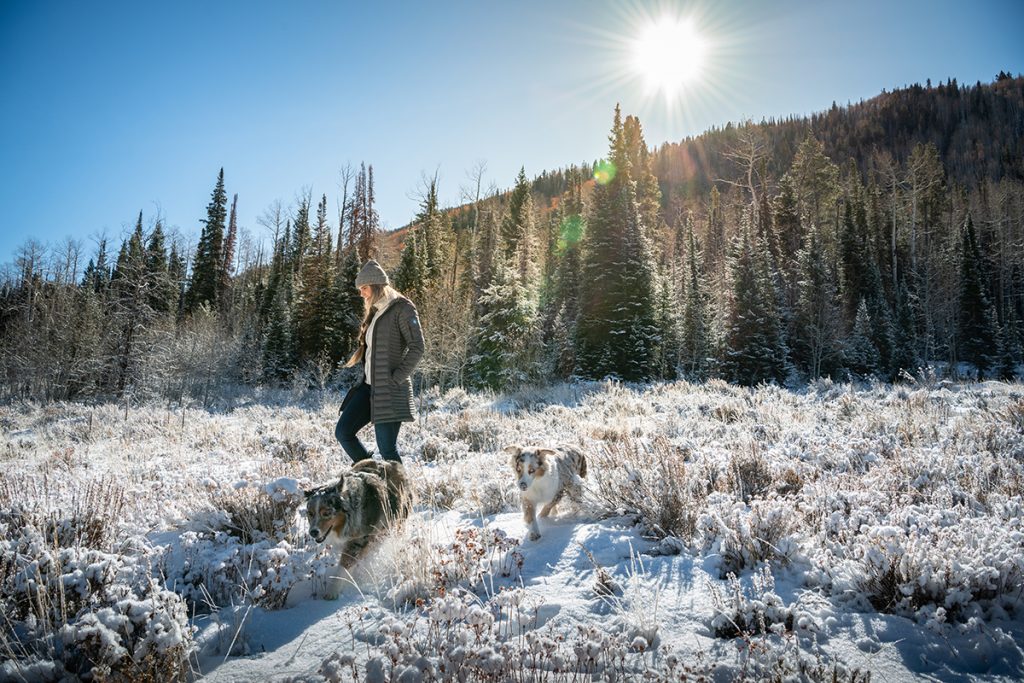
[
  {"x": 570, "y": 232},
  {"x": 604, "y": 173}
]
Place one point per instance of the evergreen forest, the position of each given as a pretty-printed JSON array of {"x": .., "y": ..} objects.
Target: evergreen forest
[{"x": 876, "y": 240}]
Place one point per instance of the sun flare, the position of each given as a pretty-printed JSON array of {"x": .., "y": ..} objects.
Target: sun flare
[{"x": 669, "y": 55}]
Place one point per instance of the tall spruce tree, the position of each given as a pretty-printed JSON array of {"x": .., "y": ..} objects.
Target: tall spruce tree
[
  {"x": 517, "y": 229},
  {"x": 505, "y": 349},
  {"x": 617, "y": 331},
  {"x": 206, "y": 281},
  {"x": 904, "y": 354},
  {"x": 696, "y": 343},
  {"x": 977, "y": 330},
  {"x": 227, "y": 268},
  {"x": 815, "y": 345},
  {"x": 162, "y": 291},
  {"x": 411, "y": 273},
  {"x": 755, "y": 347},
  {"x": 129, "y": 312},
  {"x": 314, "y": 311},
  {"x": 860, "y": 354}
]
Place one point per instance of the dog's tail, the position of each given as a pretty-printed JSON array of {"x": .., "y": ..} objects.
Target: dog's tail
[{"x": 583, "y": 465}]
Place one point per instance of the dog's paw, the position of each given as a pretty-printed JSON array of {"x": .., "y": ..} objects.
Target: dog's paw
[{"x": 534, "y": 536}]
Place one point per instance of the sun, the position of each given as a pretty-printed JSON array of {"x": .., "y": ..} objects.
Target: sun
[{"x": 669, "y": 55}]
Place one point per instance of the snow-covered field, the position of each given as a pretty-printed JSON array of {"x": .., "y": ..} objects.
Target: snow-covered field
[{"x": 837, "y": 533}]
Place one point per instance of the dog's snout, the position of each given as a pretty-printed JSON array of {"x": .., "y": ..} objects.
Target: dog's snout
[{"x": 522, "y": 486}]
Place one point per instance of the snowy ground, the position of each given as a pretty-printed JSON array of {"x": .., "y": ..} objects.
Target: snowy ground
[{"x": 833, "y": 533}]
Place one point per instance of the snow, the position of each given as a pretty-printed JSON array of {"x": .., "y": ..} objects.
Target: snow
[{"x": 726, "y": 532}]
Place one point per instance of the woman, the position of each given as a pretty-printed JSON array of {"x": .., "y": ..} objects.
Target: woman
[{"x": 390, "y": 346}]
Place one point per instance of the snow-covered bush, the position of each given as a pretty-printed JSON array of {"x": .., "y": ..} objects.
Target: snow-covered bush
[
  {"x": 972, "y": 568},
  {"x": 458, "y": 638},
  {"x": 651, "y": 480},
  {"x": 86, "y": 613},
  {"x": 737, "y": 613},
  {"x": 749, "y": 475},
  {"x": 737, "y": 536},
  {"x": 257, "y": 512},
  {"x": 66, "y": 512},
  {"x": 248, "y": 547}
]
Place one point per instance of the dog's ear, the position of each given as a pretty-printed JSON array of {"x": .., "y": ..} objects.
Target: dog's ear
[
  {"x": 543, "y": 454},
  {"x": 516, "y": 452}
]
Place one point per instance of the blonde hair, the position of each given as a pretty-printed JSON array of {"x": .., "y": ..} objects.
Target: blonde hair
[{"x": 377, "y": 292}]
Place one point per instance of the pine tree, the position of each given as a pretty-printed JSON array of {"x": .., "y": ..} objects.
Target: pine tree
[
  {"x": 505, "y": 350},
  {"x": 816, "y": 183},
  {"x": 300, "y": 232},
  {"x": 696, "y": 342},
  {"x": 977, "y": 331},
  {"x": 315, "y": 304},
  {"x": 227, "y": 268},
  {"x": 860, "y": 355},
  {"x": 904, "y": 355},
  {"x": 668, "y": 324},
  {"x": 162, "y": 292},
  {"x": 206, "y": 281},
  {"x": 755, "y": 348},
  {"x": 129, "y": 312},
  {"x": 411, "y": 273},
  {"x": 278, "y": 354},
  {"x": 348, "y": 305},
  {"x": 617, "y": 330},
  {"x": 176, "y": 275},
  {"x": 517, "y": 229},
  {"x": 97, "y": 273},
  {"x": 815, "y": 343}
]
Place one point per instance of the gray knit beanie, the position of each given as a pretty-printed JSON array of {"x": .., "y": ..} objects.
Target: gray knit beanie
[{"x": 372, "y": 274}]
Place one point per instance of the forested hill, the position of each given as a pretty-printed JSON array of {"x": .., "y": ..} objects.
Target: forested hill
[{"x": 978, "y": 131}]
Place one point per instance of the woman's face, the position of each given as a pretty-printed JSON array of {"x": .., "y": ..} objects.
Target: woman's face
[{"x": 366, "y": 292}]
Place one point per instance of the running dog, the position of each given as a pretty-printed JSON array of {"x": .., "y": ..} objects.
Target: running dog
[
  {"x": 351, "y": 512},
  {"x": 544, "y": 476}
]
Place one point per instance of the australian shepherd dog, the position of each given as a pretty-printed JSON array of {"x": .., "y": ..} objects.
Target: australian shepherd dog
[
  {"x": 350, "y": 513},
  {"x": 544, "y": 477}
]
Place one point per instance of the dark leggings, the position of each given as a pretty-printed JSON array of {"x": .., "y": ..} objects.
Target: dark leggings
[{"x": 354, "y": 417}]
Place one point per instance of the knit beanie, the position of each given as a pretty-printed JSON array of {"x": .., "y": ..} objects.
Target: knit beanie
[{"x": 372, "y": 274}]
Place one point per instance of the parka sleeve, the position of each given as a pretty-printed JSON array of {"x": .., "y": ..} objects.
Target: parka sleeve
[{"x": 412, "y": 338}]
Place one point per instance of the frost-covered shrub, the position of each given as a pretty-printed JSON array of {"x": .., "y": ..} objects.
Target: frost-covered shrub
[
  {"x": 66, "y": 513},
  {"x": 736, "y": 613},
  {"x": 741, "y": 536},
  {"x": 653, "y": 481},
  {"x": 87, "y": 614},
  {"x": 217, "y": 569},
  {"x": 1012, "y": 415},
  {"x": 409, "y": 565},
  {"x": 479, "y": 431},
  {"x": 457, "y": 638},
  {"x": 247, "y": 548},
  {"x": 474, "y": 555},
  {"x": 259, "y": 512},
  {"x": 442, "y": 493},
  {"x": 973, "y": 568},
  {"x": 749, "y": 475}
]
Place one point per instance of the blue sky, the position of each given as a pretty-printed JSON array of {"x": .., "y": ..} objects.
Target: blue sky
[{"x": 110, "y": 108}]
